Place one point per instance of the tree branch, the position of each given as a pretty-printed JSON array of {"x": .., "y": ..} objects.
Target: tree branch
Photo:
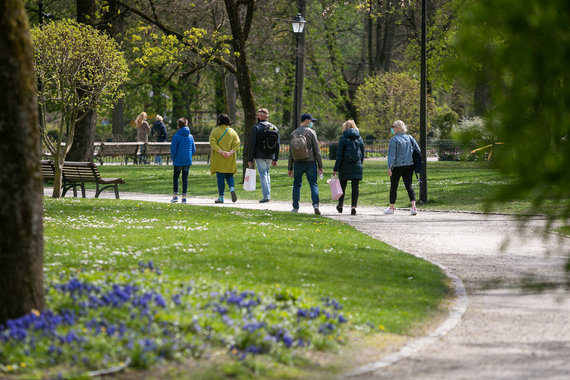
[{"x": 227, "y": 65}]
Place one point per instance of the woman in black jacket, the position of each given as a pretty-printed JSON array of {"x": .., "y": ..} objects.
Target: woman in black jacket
[{"x": 349, "y": 159}]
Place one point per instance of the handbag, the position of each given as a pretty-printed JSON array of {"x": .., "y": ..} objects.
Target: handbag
[
  {"x": 336, "y": 190},
  {"x": 249, "y": 180}
]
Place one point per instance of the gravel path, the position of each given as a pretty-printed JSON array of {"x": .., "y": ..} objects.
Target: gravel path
[{"x": 495, "y": 330}]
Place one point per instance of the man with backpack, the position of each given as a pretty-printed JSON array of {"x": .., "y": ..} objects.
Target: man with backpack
[
  {"x": 305, "y": 157},
  {"x": 263, "y": 145}
]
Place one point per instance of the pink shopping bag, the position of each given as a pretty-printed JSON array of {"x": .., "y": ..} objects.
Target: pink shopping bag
[{"x": 336, "y": 190}]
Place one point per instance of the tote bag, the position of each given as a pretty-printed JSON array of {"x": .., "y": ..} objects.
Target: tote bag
[
  {"x": 249, "y": 180},
  {"x": 336, "y": 190}
]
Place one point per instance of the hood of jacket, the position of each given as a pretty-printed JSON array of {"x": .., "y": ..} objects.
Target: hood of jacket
[
  {"x": 184, "y": 131},
  {"x": 351, "y": 134}
]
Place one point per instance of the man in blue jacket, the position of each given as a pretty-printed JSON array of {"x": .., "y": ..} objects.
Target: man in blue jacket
[{"x": 182, "y": 148}]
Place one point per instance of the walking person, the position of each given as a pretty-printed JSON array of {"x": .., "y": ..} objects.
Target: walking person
[
  {"x": 143, "y": 129},
  {"x": 159, "y": 133},
  {"x": 263, "y": 146},
  {"x": 401, "y": 164},
  {"x": 225, "y": 143},
  {"x": 182, "y": 148},
  {"x": 304, "y": 158},
  {"x": 348, "y": 164}
]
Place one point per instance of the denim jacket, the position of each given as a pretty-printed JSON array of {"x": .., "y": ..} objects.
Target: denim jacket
[{"x": 400, "y": 150}]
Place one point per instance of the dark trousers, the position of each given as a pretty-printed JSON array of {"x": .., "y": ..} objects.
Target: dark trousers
[
  {"x": 354, "y": 196},
  {"x": 406, "y": 172},
  {"x": 177, "y": 170}
]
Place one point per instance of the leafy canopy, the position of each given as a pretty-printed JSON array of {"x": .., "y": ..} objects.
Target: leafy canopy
[
  {"x": 386, "y": 97},
  {"x": 522, "y": 47},
  {"x": 79, "y": 68}
]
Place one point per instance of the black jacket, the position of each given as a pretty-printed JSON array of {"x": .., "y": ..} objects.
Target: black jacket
[
  {"x": 349, "y": 170},
  {"x": 254, "y": 143},
  {"x": 159, "y": 131}
]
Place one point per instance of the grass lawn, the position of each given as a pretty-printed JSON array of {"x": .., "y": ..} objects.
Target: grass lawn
[
  {"x": 451, "y": 185},
  {"x": 256, "y": 293}
]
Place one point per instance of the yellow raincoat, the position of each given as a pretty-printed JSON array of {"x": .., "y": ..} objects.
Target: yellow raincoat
[{"x": 229, "y": 141}]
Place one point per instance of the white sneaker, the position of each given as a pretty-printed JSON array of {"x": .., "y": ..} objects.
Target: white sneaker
[
  {"x": 389, "y": 211},
  {"x": 413, "y": 211}
]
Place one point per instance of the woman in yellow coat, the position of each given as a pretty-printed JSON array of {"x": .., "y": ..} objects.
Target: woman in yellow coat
[{"x": 225, "y": 144}]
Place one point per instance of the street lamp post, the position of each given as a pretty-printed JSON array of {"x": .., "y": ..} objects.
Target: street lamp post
[
  {"x": 298, "y": 29},
  {"x": 423, "y": 105}
]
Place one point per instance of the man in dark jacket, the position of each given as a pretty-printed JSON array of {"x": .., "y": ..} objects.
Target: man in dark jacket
[
  {"x": 159, "y": 133},
  {"x": 256, "y": 150}
]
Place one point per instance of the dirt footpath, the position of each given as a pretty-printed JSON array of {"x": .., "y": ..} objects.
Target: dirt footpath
[{"x": 504, "y": 332}]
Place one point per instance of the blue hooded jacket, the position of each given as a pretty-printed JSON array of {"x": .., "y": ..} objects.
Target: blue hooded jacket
[
  {"x": 182, "y": 147},
  {"x": 349, "y": 170}
]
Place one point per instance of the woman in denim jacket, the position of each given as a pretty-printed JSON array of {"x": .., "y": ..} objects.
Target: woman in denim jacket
[{"x": 401, "y": 164}]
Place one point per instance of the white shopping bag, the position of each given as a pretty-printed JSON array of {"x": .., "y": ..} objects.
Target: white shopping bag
[
  {"x": 249, "y": 180},
  {"x": 336, "y": 189}
]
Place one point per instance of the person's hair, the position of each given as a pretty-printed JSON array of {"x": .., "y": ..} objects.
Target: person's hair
[
  {"x": 400, "y": 125},
  {"x": 139, "y": 120},
  {"x": 159, "y": 118},
  {"x": 182, "y": 122},
  {"x": 263, "y": 111},
  {"x": 348, "y": 125},
  {"x": 224, "y": 119}
]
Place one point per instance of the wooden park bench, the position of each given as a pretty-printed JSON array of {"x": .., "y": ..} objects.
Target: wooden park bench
[
  {"x": 203, "y": 149},
  {"x": 76, "y": 174},
  {"x": 157, "y": 149},
  {"x": 129, "y": 150}
]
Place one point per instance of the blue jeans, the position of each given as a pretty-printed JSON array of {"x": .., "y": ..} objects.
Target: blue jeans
[
  {"x": 222, "y": 178},
  {"x": 158, "y": 160},
  {"x": 177, "y": 170},
  {"x": 263, "y": 166},
  {"x": 310, "y": 170}
]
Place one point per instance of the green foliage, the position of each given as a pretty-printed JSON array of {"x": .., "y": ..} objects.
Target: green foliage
[
  {"x": 443, "y": 122},
  {"x": 79, "y": 68},
  {"x": 386, "y": 97},
  {"x": 522, "y": 47}
]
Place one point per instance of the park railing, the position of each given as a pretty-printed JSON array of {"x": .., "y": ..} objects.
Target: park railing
[{"x": 122, "y": 152}]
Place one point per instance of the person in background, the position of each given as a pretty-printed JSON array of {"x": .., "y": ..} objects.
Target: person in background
[
  {"x": 264, "y": 160},
  {"x": 348, "y": 164},
  {"x": 225, "y": 143},
  {"x": 143, "y": 129},
  {"x": 308, "y": 165},
  {"x": 401, "y": 164},
  {"x": 159, "y": 133},
  {"x": 182, "y": 148}
]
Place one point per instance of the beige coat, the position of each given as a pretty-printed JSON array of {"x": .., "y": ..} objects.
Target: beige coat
[{"x": 142, "y": 132}]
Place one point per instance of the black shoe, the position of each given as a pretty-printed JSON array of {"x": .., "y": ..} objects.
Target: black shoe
[
  {"x": 219, "y": 200},
  {"x": 353, "y": 211},
  {"x": 264, "y": 200},
  {"x": 234, "y": 196},
  {"x": 339, "y": 209},
  {"x": 317, "y": 211}
]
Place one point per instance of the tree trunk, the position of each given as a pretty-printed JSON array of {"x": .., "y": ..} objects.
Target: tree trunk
[
  {"x": 240, "y": 23},
  {"x": 231, "y": 95},
  {"x": 82, "y": 148},
  {"x": 21, "y": 209},
  {"x": 119, "y": 120}
]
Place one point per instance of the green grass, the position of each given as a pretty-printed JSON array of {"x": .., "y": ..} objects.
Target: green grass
[
  {"x": 451, "y": 185},
  {"x": 293, "y": 261},
  {"x": 255, "y": 249},
  {"x": 564, "y": 230}
]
